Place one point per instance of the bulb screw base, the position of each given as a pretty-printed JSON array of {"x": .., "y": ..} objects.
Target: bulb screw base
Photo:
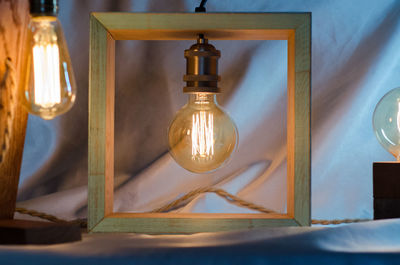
[
  {"x": 43, "y": 7},
  {"x": 202, "y": 68}
]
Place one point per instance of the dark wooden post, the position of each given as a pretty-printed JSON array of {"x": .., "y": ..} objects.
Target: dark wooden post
[
  {"x": 14, "y": 16},
  {"x": 14, "y": 19}
]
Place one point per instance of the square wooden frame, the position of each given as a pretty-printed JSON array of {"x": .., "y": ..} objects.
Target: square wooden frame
[{"x": 105, "y": 28}]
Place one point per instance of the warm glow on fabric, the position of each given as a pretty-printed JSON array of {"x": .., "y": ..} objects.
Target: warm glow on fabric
[
  {"x": 46, "y": 64},
  {"x": 203, "y": 135}
]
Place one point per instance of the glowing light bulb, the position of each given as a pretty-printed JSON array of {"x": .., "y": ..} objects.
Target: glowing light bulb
[
  {"x": 51, "y": 90},
  {"x": 202, "y": 136},
  {"x": 386, "y": 122}
]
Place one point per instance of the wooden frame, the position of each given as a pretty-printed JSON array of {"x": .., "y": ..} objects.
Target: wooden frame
[{"x": 105, "y": 28}]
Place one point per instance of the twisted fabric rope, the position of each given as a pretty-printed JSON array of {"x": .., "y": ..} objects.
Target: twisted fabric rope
[
  {"x": 9, "y": 79},
  {"x": 81, "y": 222},
  {"x": 188, "y": 197},
  {"x": 184, "y": 200},
  {"x": 338, "y": 221}
]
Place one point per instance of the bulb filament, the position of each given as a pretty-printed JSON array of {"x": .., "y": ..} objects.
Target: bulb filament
[
  {"x": 202, "y": 135},
  {"x": 46, "y": 75},
  {"x": 46, "y": 67}
]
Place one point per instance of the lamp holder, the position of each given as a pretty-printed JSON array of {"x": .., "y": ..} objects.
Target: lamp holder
[
  {"x": 202, "y": 7},
  {"x": 43, "y": 7},
  {"x": 202, "y": 67}
]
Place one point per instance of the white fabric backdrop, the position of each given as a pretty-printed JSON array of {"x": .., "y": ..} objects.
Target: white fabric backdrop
[
  {"x": 370, "y": 243},
  {"x": 355, "y": 61}
]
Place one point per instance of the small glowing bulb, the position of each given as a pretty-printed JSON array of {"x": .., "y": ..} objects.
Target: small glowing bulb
[
  {"x": 386, "y": 122},
  {"x": 202, "y": 136},
  {"x": 51, "y": 90}
]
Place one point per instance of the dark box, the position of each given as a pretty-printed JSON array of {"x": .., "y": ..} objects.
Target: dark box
[{"x": 386, "y": 189}]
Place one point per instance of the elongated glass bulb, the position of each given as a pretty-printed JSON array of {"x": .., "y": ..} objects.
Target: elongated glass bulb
[
  {"x": 386, "y": 122},
  {"x": 51, "y": 90},
  {"x": 202, "y": 136}
]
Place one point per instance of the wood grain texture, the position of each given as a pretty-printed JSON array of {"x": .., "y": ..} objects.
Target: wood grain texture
[
  {"x": 185, "y": 26},
  {"x": 101, "y": 123},
  {"x": 192, "y": 223},
  {"x": 204, "y": 215},
  {"x": 14, "y": 17},
  {"x": 290, "y": 124},
  {"x": 293, "y": 27},
  {"x": 302, "y": 126}
]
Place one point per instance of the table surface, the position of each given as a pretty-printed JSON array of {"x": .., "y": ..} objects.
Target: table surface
[{"x": 374, "y": 242}]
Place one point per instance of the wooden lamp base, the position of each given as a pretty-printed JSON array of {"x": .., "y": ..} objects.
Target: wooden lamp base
[
  {"x": 386, "y": 188},
  {"x": 23, "y": 232}
]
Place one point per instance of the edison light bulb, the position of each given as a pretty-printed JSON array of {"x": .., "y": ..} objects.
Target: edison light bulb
[
  {"x": 51, "y": 90},
  {"x": 202, "y": 136},
  {"x": 386, "y": 122}
]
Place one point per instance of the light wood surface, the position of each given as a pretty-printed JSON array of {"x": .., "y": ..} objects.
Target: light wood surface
[
  {"x": 14, "y": 16},
  {"x": 290, "y": 124},
  {"x": 164, "y": 223},
  {"x": 202, "y": 215},
  {"x": 101, "y": 123},
  {"x": 302, "y": 126},
  {"x": 107, "y": 27},
  {"x": 185, "y": 26}
]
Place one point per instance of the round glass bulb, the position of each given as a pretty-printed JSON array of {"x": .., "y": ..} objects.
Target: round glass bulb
[
  {"x": 51, "y": 89},
  {"x": 202, "y": 136},
  {"x": 386, "y": 122}
]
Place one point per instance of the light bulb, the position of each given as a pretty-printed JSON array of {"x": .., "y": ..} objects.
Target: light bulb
[
  {"x": 51, "y": 90},
  {"x": 202, "y": 136},
  {"x": 386, "y": 122}
]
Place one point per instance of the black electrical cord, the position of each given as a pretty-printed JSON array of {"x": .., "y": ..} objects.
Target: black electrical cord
[{"x": 201, "y": 7}]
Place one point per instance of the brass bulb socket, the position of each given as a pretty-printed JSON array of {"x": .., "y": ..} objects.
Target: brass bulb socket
[{"x": 202, "y": 67}]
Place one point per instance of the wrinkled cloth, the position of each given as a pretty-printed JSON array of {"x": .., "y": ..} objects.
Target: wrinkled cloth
[
  {"x": 355, "y": 61},
  {"x": 376, "y": 242}
]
